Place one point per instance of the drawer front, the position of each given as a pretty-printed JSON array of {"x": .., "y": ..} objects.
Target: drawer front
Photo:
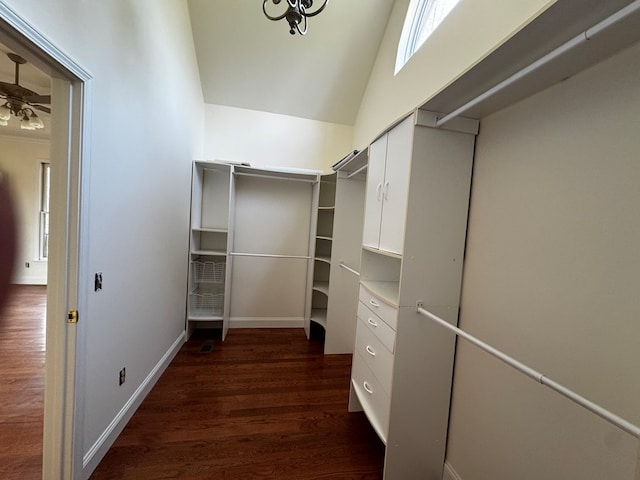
[
  {"x": 374, "y": 400},
  {"x": 377, "y": 357},
  {"x": 385, "y": 311},
  {"x": 379, "y": 328}
]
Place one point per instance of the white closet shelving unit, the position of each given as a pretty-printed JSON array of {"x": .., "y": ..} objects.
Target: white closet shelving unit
[
  {"x": 345, "y": 258},
  {"x": 272, "y": 252},
  {"x": 417, "y": 197},
  {"x": 323, "y": 250},
  {"x": 252, "y": 247},
  {"x": 208, "y": 299}
]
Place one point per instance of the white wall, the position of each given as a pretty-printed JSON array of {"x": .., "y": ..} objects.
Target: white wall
[
  {"x": 552, "y": 278},
  {"x": 146, "y": 125},
  {"x": 472, "y": 30},
  {"x": 269, "y": 139},
  {"x": 20, "y": 160}
]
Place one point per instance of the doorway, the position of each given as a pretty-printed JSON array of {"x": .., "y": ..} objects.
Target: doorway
[{"x": 70, "y": 86}]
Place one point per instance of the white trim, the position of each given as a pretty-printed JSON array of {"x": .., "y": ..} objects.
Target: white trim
[
  {"x": 266, "y": 322},
  {"x": 449, "y": 473},
  {"x": 62, "y": 447},
  {"x": 103, "y": 443}
]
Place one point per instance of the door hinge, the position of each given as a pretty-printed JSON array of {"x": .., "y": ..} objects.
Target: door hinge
[{"x": 72, "y": 316}]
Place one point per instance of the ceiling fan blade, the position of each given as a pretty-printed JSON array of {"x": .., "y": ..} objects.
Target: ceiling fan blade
[
  {"x": 38, "y": 99},
  {"x": 41, "y": 108}
]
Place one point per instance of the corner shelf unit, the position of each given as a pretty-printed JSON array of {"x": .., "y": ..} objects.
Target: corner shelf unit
[
  {"x": 207, "y": 304},
  {"x": 323, "y": 250}
]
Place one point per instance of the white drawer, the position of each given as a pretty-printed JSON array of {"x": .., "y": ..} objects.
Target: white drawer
[
  {"x": 374, "y": 400},
  {"x": 379, "y": 328},
  {"x": 377, "y": 357},
  {"x": 385, "y": 311}
]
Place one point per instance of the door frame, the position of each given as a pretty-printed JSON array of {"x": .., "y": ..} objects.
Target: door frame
[{"x": 68, "y": 261}]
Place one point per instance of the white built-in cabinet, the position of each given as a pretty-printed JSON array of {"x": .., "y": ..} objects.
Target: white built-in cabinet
[
  {"x": 253, "y": 239},
  {"x": 418, "y": 186},
  {"x": 387, "y": 187}
]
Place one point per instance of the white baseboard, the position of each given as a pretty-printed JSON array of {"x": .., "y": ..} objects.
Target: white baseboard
[
  {"x": 99, "y": 449},
  {"x": 266, "y": 322},
  {"x": 450, "y": 473}
]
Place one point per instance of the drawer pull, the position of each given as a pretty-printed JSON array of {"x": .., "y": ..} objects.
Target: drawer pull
[
  {"x": 372, "y": 322},
  {"x": 367, "y": 388},
  {"x": 370, "y": 351},
  {"x": 374, "y": 303}
]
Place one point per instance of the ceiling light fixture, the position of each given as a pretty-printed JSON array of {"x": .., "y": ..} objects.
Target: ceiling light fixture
[
  {"x": 28, "y": 118},
  {"x": 296, "y": 13},
  {"x": 20, "y": 101}
]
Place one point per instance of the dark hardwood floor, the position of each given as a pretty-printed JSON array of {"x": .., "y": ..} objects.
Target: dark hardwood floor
[
  {"x": 264, "y": 404},
  {"x": 22, "y": 357}
]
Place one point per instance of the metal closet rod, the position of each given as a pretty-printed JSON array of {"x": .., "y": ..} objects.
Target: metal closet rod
[
  {"x": 355, "y": 172},
  {"x": 349, "y": 269},
  {"x": 267, "y": 255},
  {"x": 574, "y": 42},
  {"x": 537, "y": 376}
]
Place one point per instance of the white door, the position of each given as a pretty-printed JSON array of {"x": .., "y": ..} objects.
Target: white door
[
  {"x": 395, "y": 189},
  {"x": 373, "y": 199}
]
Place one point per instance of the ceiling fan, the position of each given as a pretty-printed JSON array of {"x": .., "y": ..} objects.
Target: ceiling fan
[{"x": 20, "y": 101}]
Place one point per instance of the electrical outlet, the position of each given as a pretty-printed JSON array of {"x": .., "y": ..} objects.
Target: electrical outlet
[
  {"x": 123, "y": 375},
  {"x": 26, "y": 265},
  {"x": 97, "y": 282}
]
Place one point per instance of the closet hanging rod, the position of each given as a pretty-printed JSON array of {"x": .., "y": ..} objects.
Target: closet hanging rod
[
  {"x": 585, "y": 36},
  {"x": 277, "y": 177},
  {"x": 349, "y": 269},
  {"x": 355, "y": 172},
  {"x": 535, "y": 375},
  {"x": 267, "y": 255}
]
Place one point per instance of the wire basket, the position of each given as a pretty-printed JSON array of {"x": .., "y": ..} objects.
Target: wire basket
[
  {"x": 206, "y": 304},
  {"x": 208, "y": 272}
]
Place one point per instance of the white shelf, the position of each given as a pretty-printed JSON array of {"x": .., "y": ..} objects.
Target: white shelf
[
  {"x": 322, "y": 287},
  {"x": 386, "y": 291},
  {"x": 209, "y": 230},
  {"x": 319, "y": 316},
  {"x": 211, "y": 253},
  {"x": 322, "y": 237},
  {"x": 323, "y": 259}
]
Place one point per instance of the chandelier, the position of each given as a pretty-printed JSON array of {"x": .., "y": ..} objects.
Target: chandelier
[
  {"x": 28, "y": 118},
  {"x": 296, "y": 13}
]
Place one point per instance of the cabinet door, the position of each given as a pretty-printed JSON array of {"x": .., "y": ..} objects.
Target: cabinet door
[
  {"x": 395, "y": 188},
  {"x": 373, "y": 199}
]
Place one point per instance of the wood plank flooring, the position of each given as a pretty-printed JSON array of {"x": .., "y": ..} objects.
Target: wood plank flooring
[
  {"x": 22, "y": 357},
  {"x": 263, "y": 404}
]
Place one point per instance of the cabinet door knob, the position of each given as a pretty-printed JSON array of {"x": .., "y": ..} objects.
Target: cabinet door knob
[
  {"x": 386, "y": 190},
  {"x": 367, "y": 387},
  {"x": 374, "y": 303},
  {"x": 379, "y": 191},
  {"x": 370, "y": 351},
  {"x": 371, "y": 322}
]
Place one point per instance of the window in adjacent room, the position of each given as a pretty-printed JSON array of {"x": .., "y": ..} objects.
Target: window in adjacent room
[
  {"x": 423, "y": 17},
  {"x": 45, "y": 174}
]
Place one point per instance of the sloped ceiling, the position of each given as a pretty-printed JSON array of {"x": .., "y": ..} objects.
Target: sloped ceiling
[{"x": 248, "y": 61}]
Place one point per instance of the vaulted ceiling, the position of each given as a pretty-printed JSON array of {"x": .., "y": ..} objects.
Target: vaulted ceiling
[{"x": 248, "y": 61}]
